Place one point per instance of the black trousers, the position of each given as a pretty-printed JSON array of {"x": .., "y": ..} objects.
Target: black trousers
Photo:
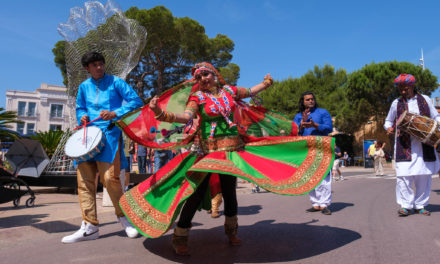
[{"x": 229, "y": 192}]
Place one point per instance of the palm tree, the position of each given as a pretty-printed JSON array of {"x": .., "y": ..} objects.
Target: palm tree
[
  {"x": 6, "y": 119},
  {"x": 49, "y": 140}
]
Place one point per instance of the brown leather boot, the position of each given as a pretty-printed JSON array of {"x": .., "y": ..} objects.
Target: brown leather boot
[
  {"x": 231, "y": 226},
  {"x": 180, "y": 241},
  {"x": 215, "y": 214},
  {"x": 215, "y": 205}
]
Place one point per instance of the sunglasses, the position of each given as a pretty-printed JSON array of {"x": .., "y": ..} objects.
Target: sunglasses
[{"x": 202, "y": 73}]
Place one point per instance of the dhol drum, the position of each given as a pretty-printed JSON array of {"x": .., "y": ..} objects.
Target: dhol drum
[
  {"x": 421, "y": 127},
  {"x": 85, "y": 149}
]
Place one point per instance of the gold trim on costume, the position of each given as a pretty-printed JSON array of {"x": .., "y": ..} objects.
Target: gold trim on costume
[{"x": 227, "y": 143}]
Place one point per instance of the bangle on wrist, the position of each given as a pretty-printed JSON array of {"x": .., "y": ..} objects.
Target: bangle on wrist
[
  {"x": 159, "y": 115},
  {"x": 167, "y": 117},
  {"x": 268, "y": 82},
  {"x": 171, "y": 118}
]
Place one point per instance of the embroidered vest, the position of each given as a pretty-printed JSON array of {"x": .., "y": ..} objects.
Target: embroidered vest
[{"x": 403, "y": 141}]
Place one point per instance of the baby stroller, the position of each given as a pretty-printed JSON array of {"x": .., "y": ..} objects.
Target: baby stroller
[
  {"x": 13, "y": 188},
  {"x": 28, "y": 158}
]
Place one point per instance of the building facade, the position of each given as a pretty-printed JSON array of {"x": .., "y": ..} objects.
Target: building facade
[{"x": 47, "y": 108}]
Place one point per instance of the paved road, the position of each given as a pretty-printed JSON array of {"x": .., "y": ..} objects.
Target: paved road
[{"x": 364, "y": 228}]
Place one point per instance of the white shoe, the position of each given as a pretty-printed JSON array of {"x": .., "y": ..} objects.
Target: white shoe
[
  {"x": 86, "y": 232},
  {"x": 129, "y": 229}
]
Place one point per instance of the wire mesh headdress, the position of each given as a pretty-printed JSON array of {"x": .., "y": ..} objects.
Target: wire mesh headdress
[
  {"x": 101, "y": 28},
  {"x": 105, "y": 29}
]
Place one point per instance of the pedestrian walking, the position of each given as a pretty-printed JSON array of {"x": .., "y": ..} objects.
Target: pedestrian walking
[
  {"x": 379, "y": 157},
  {"x": 142, "y": 159},
  {"x": 336, "y": 165}
]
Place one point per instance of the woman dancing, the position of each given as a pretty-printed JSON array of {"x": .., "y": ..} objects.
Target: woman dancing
[{"x": 234, "y": 140}]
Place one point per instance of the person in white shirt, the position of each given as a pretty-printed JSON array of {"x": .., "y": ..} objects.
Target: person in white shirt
[
  {"x": 379, "y": 156},
  {"x": 415, "y": 161}
]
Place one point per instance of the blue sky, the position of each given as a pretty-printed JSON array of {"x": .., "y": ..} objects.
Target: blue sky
[{"x": 282, "y": 37}]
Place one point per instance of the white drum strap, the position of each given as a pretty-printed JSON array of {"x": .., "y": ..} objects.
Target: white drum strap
[
  {"x": 438, "y": 141},
  {"x": 434, "y": 128}
]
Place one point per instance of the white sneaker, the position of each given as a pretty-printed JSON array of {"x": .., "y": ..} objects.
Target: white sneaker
[
  {"x": 129, "y": 229},
  {"x": 86, "y": 232}
]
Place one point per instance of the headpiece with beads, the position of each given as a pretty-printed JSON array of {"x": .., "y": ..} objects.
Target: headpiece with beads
[{"x": 205, "y": 66}]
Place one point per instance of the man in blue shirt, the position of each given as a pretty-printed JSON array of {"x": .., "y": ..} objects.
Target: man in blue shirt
[
  {"x": 142, "y": 159},
  {"x": 315, "y": 121},
  {"x": 102, "y": 96}
]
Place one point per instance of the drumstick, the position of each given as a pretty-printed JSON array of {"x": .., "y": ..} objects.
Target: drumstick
[
  {"x": 85, "y": 124},
  {"x": 85, "y": 127}
]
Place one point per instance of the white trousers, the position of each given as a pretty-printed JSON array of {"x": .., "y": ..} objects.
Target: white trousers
[
  {"x": 408, "y": 198},
  {"x": 322, "y": 195},
  {"x": 378, "y": 166}
]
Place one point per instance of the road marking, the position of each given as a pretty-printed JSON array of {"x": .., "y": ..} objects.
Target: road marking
[{"x": 385, "y": 177}]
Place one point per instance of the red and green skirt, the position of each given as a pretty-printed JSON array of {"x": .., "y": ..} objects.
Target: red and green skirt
[{"x": 283, "y": 165}]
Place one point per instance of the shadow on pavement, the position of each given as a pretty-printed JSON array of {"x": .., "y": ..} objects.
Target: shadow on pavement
[
  {"x": 249, "y": 210},
  {"x": 263, "y": 242},
  {"x": 62, "y": 226},
  {"x": 335, "y": 207},
  {"x": 436, "y": 191},
  {"x": 433, "y": 207},
  {"x": 56, "y": 227},
  {"x": 22, "y": 204},
  {"x": 21, "y": 220},
  {"x": 37, "y": 221}
]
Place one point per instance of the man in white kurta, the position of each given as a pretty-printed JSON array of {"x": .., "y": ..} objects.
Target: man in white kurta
[{"x": 415, "y": 169}]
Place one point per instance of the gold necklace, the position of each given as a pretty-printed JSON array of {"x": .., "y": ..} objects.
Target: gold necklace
[{"x": 214, "y": 91}]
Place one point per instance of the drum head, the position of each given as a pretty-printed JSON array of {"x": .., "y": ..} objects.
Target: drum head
[
  {"x": 76, "y": 146},
  {"x": 401, "y": 117}
]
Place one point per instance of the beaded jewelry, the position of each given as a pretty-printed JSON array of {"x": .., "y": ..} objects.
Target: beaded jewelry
[
  {"x": 166, "y": 117},
  {"x": 159, "y": 115},
  {"x": 268, "y": 81}
]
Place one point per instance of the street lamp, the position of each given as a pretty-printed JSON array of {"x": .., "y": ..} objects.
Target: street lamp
[
  {"x": 363, "y": 143},
  {"x": 369, "y": 122}
]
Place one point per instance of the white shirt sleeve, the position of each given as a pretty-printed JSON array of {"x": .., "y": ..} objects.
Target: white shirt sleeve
[
  {"x": 389, "y": 121},
  {"x": 434, "y": 114}
]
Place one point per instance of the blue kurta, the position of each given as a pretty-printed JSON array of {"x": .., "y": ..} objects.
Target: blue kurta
[
  {"x": 107, "y": 93},
  {"x": 320, "y": 116},
  {"x": 322, "y": 195}
]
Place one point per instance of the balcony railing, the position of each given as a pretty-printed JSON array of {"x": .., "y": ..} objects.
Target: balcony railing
[
  {"x": 56, "y": 115},
  {"x": 27, "y": 114}
]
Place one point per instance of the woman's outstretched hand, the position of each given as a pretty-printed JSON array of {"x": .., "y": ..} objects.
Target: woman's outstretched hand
[
  {"x": 267, "y": 76},
  {"x": 153, "y": 105},
  {"x": 268, "y": 80}
]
